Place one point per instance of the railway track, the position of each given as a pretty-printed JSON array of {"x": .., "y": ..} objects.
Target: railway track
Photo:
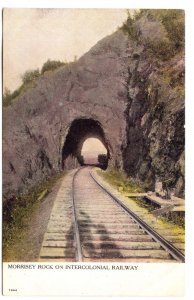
[{"x": 92, "y": 225}]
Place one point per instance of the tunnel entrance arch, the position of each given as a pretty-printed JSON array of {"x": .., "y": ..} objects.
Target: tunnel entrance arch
[{"x": 78, "y": 132}]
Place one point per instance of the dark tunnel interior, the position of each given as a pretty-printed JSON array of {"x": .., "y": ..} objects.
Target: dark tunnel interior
[{"x": 79, "y": 131}]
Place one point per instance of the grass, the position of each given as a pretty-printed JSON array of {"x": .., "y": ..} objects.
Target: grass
[
  {"x": 145, "y": 204},
  {"x": 9, "y": 97},
  {"x": 17, "y": 212},
  {"x": 126, "y": 185},
  {"x": 121, "y": 182},
  {"x": 174, "y": 218},
  {"x": 170, "y": 217}
]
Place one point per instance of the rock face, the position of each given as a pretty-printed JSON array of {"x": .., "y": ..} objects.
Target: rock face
[
  {"x": 37, "y": 124},
  {"x": 155, "y": 127},
  {"x": 118, "y": 91}
]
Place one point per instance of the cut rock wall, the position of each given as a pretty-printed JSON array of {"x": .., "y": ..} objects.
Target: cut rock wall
[{"x": 116, "y": 84}]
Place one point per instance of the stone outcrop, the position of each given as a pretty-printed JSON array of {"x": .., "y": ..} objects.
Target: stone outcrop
[
  {"x": 37, "y": 123},
  {"x": 138, "y": 117},
  {"x": 155, "y": 125}
]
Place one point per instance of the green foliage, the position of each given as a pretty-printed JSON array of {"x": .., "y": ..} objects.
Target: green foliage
[
  {"x": 120, "y": 181},
  {"x": 130, "y": 28},
  {"x": 126, "y": 185},
  {"x": 51, "y": 65},
  {"x": 17, "y": 212},
  {"x": 30, "y": 76},
  {"x": 174, "y": 23},
  {"x": 9, "y": 97},
  {"x": 6, "y": 97},
  {"x": 148, "y": 205},
  {"x": 29, "y": 80},
  {"x": 175, "y": 77},
  {"x": 174, "y": 218},
  {"x": 162, "y": 48}
]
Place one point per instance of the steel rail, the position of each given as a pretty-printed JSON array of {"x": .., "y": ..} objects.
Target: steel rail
[
  {"x": 172, "y": 250},
  {"x": 79, "y": 256}
]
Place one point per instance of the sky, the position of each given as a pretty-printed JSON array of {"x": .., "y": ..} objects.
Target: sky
[{"x": 32, "y": 36}]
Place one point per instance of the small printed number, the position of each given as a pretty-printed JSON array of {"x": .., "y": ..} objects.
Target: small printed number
[{"x": 12, "y": 290}]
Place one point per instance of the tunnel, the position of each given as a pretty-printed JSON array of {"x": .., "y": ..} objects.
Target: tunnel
[{"x": 79, "y": 131}]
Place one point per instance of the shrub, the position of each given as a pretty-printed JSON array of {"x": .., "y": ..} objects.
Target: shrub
[
  {"x": 130, "y": 28},
  {"x": 51, "y": 65},
  {"x": 30, "y": 76},
  {"x": 29, "y": 79},
  {"x": 162, "y": 49},
  {"x": 172, "y": 21},
  {"x": 7, "y": 97}
]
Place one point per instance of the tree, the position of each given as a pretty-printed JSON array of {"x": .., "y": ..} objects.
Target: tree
[
  {"x": 6, "y": 93},
  {"x": 6, "y": 97},
  {"x": 51, "y": 65},
  {"x": 172, "y": 21},
  {"x": 30, "y": 76}
]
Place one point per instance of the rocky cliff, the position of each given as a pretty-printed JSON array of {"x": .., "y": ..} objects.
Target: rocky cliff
[{"x": 132, "y": 101}]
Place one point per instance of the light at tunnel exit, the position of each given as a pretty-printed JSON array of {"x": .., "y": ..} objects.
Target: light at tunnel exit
[{"x": 92, "y": 147}]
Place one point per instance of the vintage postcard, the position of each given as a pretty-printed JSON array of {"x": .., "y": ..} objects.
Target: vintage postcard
[{"x": 93, "y": 151}]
